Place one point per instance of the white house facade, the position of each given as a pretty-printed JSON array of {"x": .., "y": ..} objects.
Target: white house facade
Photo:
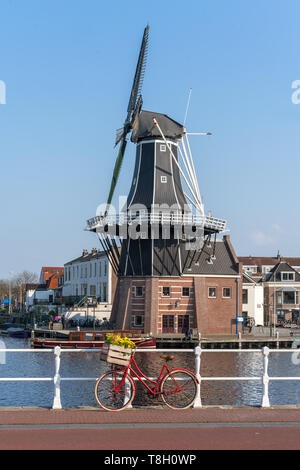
[
  {"x": 253, "y": 301},
  {"x": 89, "y": 275}
]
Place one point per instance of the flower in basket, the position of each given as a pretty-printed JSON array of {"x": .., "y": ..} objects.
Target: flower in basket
[{"x": 111, "y": 338}]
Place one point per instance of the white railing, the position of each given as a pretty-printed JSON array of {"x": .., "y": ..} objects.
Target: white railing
[
  {"x": 157, "y": 218},
  {"x": 265, "y": 378}
]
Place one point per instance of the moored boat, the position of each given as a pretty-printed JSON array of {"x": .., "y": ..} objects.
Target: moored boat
[
  {"x": 92, "y": 339},
  {"x": 18, "y": 332}
]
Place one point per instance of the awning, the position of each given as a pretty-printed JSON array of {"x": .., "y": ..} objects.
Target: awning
[{"x": 287, "y": 289}]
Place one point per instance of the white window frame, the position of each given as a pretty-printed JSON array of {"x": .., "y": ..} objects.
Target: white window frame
[
  {"x": 288, "y": 274},
  {"x": 162, "y": 291},
  {"x": 135, "y": 291},
  {"x": 142, "y": 320},
  {"x": 212, "y": 296},
  {"x": 226, "y": 296}
]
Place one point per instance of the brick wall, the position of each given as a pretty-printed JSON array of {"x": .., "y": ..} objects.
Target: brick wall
[{"x": 215, "y": 315}]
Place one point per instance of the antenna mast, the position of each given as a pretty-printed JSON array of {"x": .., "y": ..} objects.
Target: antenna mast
[{"x": 187, "y": 106}]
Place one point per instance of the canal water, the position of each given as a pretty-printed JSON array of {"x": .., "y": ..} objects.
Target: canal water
[{"x": 89, "y": 365}]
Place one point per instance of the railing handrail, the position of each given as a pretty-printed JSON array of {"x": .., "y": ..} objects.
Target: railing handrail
[
  {"x": 157, "y": 217},
  {"x": 198, "y": 351}
]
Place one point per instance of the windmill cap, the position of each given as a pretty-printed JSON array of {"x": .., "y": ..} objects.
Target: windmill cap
[{"x": 144, "y": 126}]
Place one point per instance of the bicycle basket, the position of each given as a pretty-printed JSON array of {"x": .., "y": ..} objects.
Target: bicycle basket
[{"x": 115, "y": 354}]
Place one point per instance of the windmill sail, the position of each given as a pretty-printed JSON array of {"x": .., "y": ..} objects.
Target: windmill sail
[{"x": 134, "y": 107}]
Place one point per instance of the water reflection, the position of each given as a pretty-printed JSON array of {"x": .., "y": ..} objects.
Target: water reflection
[{"x": 89, "y": 365}]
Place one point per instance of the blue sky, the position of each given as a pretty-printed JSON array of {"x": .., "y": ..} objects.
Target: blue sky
[{"x": 68, "y": 68}]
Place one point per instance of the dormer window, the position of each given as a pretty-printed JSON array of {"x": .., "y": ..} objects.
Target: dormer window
[
  {"x": 250, "y": 270},
  {"x": 288, "y": 276},
  {"x": 163, "y": 179}
]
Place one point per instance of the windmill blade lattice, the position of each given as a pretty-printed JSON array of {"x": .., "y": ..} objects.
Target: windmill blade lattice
[{"x": 134, "y": 106}]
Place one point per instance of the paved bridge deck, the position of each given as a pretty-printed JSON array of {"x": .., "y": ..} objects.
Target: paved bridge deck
[{"x": 222, "y": 428}]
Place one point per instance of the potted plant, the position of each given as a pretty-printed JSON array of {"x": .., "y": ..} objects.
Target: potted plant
[{"x": 117, "y": 350}]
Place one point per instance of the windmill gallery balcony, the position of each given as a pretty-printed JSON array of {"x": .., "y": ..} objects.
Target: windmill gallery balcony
[{"x": 119, "y": 223}]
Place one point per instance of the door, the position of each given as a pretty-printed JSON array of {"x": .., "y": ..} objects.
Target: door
[
  {"x": 168, "y": 324},
  {"x": 183, "y": 323}
]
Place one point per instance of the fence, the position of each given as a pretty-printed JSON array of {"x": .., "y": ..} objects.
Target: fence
[{"x": 264, "y": 378}]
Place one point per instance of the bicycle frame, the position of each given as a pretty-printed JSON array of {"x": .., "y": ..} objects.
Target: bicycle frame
[{"x": 142, "y": 377}]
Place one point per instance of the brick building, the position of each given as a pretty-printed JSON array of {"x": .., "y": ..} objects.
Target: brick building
[
  {"x": 207, "y": 297},
  {"x": 281, "y": 295}
]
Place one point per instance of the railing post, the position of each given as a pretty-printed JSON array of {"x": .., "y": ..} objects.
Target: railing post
[
  {"x": 197, "y": 403},
  {"x": 265, "y": 378},
  {"x": 56, "y": 402},
  {"x": 127, "y": 392}
]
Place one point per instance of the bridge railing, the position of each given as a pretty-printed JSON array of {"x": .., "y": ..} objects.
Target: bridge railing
[{"x": 263, "y": 378}]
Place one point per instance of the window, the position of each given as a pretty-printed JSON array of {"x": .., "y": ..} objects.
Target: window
[
  {"x": 183, "y": 323},
  {"x": 250, "y": 269},
  {"x": 139, "y": 291},
  {"x": 266, "y": 269},
  {"x": 185, "y": 291},
  {"x": 104, "y": 292},
  {"x": 245, "y": 296},
  {"x": 287, "y": 276},
  {"x": 291, "y": 298},
  {"x": 212, "y": 292},
  {"x": 93, "y": 290},
  {"x": 226, "y": 292},
  {"x": 166, "y": 291},
  {"x": 168, "y": 324},
  {"x": 163, "y": 148},
  {"x": 138, "y": 320},
  {"x": 163, "y": 179}
]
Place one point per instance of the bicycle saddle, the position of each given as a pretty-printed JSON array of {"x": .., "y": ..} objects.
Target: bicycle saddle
[{"x": 167, "y": 357}]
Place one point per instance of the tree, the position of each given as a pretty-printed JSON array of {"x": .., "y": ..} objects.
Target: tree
[{"x": 19, "y": 284}]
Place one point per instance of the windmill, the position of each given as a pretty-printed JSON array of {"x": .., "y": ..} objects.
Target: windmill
[{"x": 162, "y": 231}]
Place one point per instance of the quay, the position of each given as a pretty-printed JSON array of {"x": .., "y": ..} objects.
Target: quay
[
  {"x": 229, "y": 341},
  {"x": 146, "y": 429},
  {"x": 284, "y": 339}
]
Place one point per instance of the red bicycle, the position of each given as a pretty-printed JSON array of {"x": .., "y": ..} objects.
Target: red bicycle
[{"x": 116, "y": 389}]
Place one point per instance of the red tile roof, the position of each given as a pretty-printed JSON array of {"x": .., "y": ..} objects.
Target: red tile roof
[
  {"x": 265, "y": 260},
  {"x": 52, "y": 281}
]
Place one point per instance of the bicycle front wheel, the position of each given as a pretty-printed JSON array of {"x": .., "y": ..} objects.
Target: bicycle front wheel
[
  {"x": 179, "y": 389},
  {"x": 113, "y": 395}
]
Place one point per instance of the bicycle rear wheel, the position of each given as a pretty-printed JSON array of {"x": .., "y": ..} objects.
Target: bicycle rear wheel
[
  {"x": 109, "y": 396},
  {"x": 179, "y": 389}
]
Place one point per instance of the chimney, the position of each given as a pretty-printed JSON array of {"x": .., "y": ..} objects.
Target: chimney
[
  {"x": 85, "y": 253},
  {"x": 94, "y": 251},
  {"x": 278, "y": 255}
]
